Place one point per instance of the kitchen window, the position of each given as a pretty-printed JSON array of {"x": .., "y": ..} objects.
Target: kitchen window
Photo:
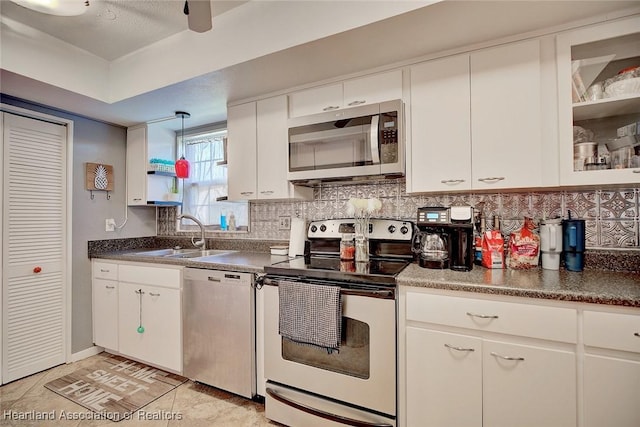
[{"x": 205, "y": 191}]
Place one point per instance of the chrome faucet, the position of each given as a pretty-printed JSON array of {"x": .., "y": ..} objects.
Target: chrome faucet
[{"x": 202, "y": 243}]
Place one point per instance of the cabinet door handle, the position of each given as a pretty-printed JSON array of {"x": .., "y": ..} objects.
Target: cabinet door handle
[
  {"x": 331, "y": 108},
  {"x": 636, "y": 171},
  {"x": 482, "y": 316},
  {"x": 452, "y": 181},
  {"x": 246, "y": 193},
  {"x": 154, "y": 295},
  {"x": 267, "y": 192},
  {"x": 518, "y": 359},
  {"x": 136, "y": 200},
  {"x": 359, "y": 102},
  {"x": 453, "y": 347},
  {"x": 139, "y": 292},
  {"x": 102, "y": 270},
  {"x": 636, "y": 334},
  {"x": 109, "y": 287},
  {"x": 492, "y": 179}
]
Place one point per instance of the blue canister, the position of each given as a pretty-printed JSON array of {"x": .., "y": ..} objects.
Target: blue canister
[{"x": 573, "y": 241}]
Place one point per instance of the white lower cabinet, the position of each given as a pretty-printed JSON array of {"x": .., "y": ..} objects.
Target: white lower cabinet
[
  {"x": 446, "y": 375},
  {"x": 105, "y": 304},
  {"x": 157, "y": 311},
  {"x": 137, "y": 311},
  {"x": 472, "y": 363},
  {"x": 528, "y": 385},
  {"x": 611, "y": 369},
  {"x": 105, "y": 313}
]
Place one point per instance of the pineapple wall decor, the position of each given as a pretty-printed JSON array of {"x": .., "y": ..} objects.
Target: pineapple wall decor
[{"x": 99, "y": 177}]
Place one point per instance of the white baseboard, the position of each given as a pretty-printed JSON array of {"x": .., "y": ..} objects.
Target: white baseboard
[{"x": 91, "y": 351}]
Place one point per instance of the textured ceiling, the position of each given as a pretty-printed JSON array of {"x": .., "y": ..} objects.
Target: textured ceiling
[{"x": 113, "y": 28}]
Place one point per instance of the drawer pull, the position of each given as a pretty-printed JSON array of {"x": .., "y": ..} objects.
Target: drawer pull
[
  {"x": 452, "y": 181},
  {"x": 213, "y": 279},
  {"x": 491, "y": 180},
  {"x": 154, "y": 295},
  {"x": 518, "y": 359},
  {"x": 453, "y": 347},
  {"x": 636, "y": 334},
  {"x": 109, "y": 287},
  {"x": 102, "y": 270},
  {"x": 360, "y": 102},
  {"x": 331, "y": 108},
  {"x": 481, "y": 316}
]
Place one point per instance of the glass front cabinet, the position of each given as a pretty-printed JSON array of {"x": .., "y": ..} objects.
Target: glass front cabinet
[{"x": 599, "y": 104}]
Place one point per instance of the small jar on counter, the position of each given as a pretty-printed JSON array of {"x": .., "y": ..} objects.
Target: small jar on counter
[{"x": 347, "y": 247}]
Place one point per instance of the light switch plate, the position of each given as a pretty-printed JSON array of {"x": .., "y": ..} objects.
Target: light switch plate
[{"x": 109, "y": 224}]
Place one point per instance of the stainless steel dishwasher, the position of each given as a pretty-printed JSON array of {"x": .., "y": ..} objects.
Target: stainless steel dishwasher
[{"x": 219, "y": 329}]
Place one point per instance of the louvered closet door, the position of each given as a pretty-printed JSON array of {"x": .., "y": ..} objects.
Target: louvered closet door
[{"x": 33, "y": 236}]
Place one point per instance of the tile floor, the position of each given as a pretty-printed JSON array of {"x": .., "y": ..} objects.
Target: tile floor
[{"x": 195, "y": 404}]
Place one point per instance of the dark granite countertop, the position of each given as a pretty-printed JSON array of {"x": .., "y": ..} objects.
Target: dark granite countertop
[
  {"x": 240, "y": 261},
  {"x": 593, "y": 285},
  {"x": 590, "y": 286}
]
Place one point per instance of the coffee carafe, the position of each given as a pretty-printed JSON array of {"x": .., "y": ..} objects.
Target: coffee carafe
[
  {"x": 551, "y": 243},
  {"x": 433, "y": 248},
  {"x": 573, "y": 243}
]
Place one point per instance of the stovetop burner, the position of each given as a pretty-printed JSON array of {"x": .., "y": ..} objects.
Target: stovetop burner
[{"x": 378, "y": 271}]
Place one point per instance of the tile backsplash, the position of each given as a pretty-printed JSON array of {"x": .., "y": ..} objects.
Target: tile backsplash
[{"x": 612, "y": 216}]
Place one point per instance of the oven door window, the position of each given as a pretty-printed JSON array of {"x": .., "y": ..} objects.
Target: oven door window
[{"x": 351, "y": 359}]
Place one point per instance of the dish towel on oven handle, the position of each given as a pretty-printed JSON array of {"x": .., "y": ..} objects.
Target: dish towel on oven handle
[{"x": 310, "y": 314}]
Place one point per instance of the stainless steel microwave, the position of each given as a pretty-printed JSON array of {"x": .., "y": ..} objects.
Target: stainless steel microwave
[{"x": 354, "y": 142}]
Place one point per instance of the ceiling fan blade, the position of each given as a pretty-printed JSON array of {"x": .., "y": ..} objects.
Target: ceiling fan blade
[{"x": 199, "y": 15}]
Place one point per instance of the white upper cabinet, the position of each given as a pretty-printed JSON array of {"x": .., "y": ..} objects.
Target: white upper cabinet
[
  {"x": 380, "y": 87},
  {"x": 241, "y": 152},
  {"x": 258, "y": 152},
  {"x": 145, "y": 186},
  {"x": 597, "y": 100},
  {"x": 273, "y": 152},
  {"x": 478, "y": 122},
  {"x": 440, "y": 126},
  {"x": 506, "y": 124}
]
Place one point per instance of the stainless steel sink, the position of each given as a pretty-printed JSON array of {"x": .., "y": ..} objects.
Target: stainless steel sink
[
  {"x": 167, "y": 252},
  {"x": 199, "y": 254}
]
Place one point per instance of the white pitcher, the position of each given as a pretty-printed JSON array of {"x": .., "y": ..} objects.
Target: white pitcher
[{"x": 551, "y": 243}]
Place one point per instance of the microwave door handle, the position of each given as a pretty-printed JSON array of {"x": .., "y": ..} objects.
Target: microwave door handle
[{"x": 373, "y": 139}]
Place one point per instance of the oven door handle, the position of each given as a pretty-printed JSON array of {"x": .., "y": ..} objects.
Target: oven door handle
[{"x": 322, "y": 414}]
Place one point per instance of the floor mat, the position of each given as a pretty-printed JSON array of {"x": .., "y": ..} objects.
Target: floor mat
[{"x": 115, "y": 387}]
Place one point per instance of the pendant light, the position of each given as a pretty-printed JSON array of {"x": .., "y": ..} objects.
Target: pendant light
[{"x": 182, "y": 164}]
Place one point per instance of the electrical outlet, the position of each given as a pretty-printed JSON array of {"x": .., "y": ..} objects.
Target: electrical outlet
[
  {"x": 109, "y": 224},
  {"x": 285, "y": 223}
]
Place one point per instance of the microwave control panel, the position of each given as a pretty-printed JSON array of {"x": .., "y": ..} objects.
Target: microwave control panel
[{"x": 389, "y": 128}]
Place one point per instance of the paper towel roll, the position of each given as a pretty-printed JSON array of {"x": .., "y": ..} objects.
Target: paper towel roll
[{"x": 297, "y": 237}]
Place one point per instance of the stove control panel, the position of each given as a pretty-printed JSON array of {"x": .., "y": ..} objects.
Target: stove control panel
[{"x": 379, "y": 229}]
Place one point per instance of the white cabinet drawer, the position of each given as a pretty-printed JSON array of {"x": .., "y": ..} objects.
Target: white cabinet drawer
[
  {"x": 150, "y": 275},
  {"x": 549, "y": 323},
  {"x": 105, "y": 270},
  {"x": 612, "y": 330}
]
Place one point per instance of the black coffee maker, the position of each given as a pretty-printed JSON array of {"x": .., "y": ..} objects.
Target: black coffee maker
[{"x": 445, "y": 238}]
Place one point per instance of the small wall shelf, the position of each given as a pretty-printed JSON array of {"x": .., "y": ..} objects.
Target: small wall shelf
[
  {"x": 163, "y": 203},
  {"x": 160, "y": 173}
]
